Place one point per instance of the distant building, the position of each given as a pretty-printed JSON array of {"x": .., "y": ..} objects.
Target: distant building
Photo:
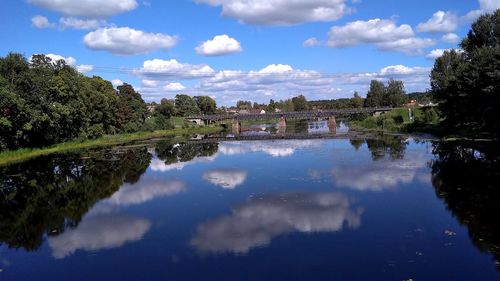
[{"x": 151, "y": 108}]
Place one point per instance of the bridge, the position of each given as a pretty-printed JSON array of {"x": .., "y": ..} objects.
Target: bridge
[{"x": 205, "y": 119}]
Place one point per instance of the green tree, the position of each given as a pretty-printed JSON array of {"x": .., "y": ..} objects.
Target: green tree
[
  {"x": 185, "y": 106},
  {"x": 375, "y": 95},
  {"x": 300, "y": 103},
  {"x": 394, "y": 94},
  {"x": 467, "y": 85},
  {"x": 206, "y": 104}
]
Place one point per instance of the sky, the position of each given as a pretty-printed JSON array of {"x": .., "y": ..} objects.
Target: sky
[{"x": 243, "y": 49}]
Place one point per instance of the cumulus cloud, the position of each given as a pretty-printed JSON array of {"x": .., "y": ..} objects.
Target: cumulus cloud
[
  {"x": 384, "y": 34},
  {"x": 128, "y": 41},
  {"x": 451, "y": 38},
  {"x": 87, "y": 8},
  {"x": 98, "y": 233},
  {"x": 174, "y": 87},
  {"x": 158, "y": 165},
  {"x": 279, "y": 12},
  {"x": 440, "y": 22},
  {"x": 311, "y": 42},
  {"x": 279, "y": 81},
  {"x": 41, "y": 22},
  {"x": 146, "y": 190},
  {"x": 485, "y": 6},
  {"x": 84, "y": 68},
  {"x": 82, "y": 24},
  {"x": 226, "y": 178},
  {"x": 272, "y": 148},
  {"x": 434, "y": 54},
  {"x": 381, "y": 175},
  {"x": 218, "y": 46},
  {"x": 116, "y": 82},
  {"x": 256, "y": 222},
  {"x": 68, "y": 60},
  {"x": 158, "y": 69}
]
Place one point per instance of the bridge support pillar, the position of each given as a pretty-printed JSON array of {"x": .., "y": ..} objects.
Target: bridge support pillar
[
  {"x": 236, "y": 127},
  {"x": 282, "y": 125},
  {"x": 332, "y": 124}
]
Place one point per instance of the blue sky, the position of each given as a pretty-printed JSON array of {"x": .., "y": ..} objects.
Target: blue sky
[{"x": 241, "y": 49}]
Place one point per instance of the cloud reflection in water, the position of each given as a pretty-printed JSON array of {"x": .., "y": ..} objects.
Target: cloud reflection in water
[{"x": 256, "y": 222}]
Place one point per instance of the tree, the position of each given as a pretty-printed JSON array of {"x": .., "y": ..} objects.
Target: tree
[
  {"x": 357, "y": 101},
  {"x": 394, "y": 94},
  {"x": 132, "y": 110},
  {"x": 300, "y": 103},
  {"x": 467, "y": 84},
  {"x": 375, "y": 94},
  {"x": 241, "y": 104},
  {"x": 206, "y": 104},
  {"x": 185, "y": 105}
]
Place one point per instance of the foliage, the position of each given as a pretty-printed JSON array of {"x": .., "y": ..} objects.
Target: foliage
[
  {"x": 44, "y": 102},
  {"x": 206, "y": 104},
  {"x": 300, "y": 103},
  {"x": 185, "y": 106},
  {"x": 392, "y": 95},
  {"x": 467, "y": 84}
]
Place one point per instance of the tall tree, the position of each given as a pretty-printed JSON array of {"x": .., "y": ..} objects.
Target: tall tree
[
  {"x": 467, "y": 85},
  {"x": 206, "y": 104},
  {"x": 185, "y": 105},
  {"x": 300, "y": 103},
  {"x": 394, "y": 94},
  {"x": 375, "y": 94}
]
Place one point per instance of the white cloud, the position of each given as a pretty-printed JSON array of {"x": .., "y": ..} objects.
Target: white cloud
[
  {"x": 146, "y": 190},
  {"x": 84, "y": 68},
  {"x": 279, "y": 80},
  {"x": 87, "y": 8},
  {"x": 311, "y": 42},
  {"x": 97, "y": 233},
  {"x": 371, "y": 31},
  {"x": 381, "y": 175},
  {"x": 218, "y": 46},
  {"x": 128, "y": 41},
  {"x": 116, "y": 82},
  {"x": 279, "y": 12},
  {"x": 68, "y": 60},
  {"x": 227, "y": 179},
  {"x": 83, "y": 24},
  {"x": 440, "y": 22},
  {"x": 158, "y": 69},
  {"x": 485, "y": 6},
  {"x": 256, "y": 222},
  {"x": 398, "y": 70},
  {"x": 174, "y": 87},
  {"x": 451, "y": 38},
  {"x": 410, "y": 46},
  {"x": 384, "y": 34},
  {"x": 434, "y": 54},
  {"x": 41, "y": 22}
]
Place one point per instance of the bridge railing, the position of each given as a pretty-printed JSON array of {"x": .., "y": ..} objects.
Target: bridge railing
[{"x": 294, "y": 114}]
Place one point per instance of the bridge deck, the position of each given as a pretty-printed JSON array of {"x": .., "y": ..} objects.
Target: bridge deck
[{"x": 291, "y": 115}]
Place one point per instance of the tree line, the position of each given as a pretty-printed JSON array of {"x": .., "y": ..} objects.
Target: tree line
[
  {"x": 43, "y": 102},
  {"x": 466, "y": 83}
]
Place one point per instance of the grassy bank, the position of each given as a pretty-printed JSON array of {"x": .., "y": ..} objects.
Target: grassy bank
[
  {"x": 425, "y": 120},
  {"x": 10, "y": 156}
]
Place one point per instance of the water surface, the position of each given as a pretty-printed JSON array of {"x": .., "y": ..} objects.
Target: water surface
[{"x": 388, "y": 208}]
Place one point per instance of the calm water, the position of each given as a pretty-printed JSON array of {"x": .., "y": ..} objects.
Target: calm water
[{"x": 377, "y": 209}]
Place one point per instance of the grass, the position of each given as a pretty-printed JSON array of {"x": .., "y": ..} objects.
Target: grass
[{"x": 11, "y": 156}]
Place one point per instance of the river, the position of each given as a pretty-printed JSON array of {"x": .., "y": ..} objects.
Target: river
[{"x": 383, "y": 208}]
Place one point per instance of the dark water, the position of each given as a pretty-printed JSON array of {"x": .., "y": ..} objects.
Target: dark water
[{"x": 376, "y": 209}]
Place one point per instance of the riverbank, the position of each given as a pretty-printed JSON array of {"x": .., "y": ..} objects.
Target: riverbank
[{"x": 10, "y": 156}]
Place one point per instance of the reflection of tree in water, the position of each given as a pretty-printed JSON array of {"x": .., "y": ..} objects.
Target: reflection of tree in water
[
  {"x": 394, "y": 146},
  {"x": 466, "y": 177},
  {"x": 50, "y": 194},
  {"x": 171, "y": 152}
]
